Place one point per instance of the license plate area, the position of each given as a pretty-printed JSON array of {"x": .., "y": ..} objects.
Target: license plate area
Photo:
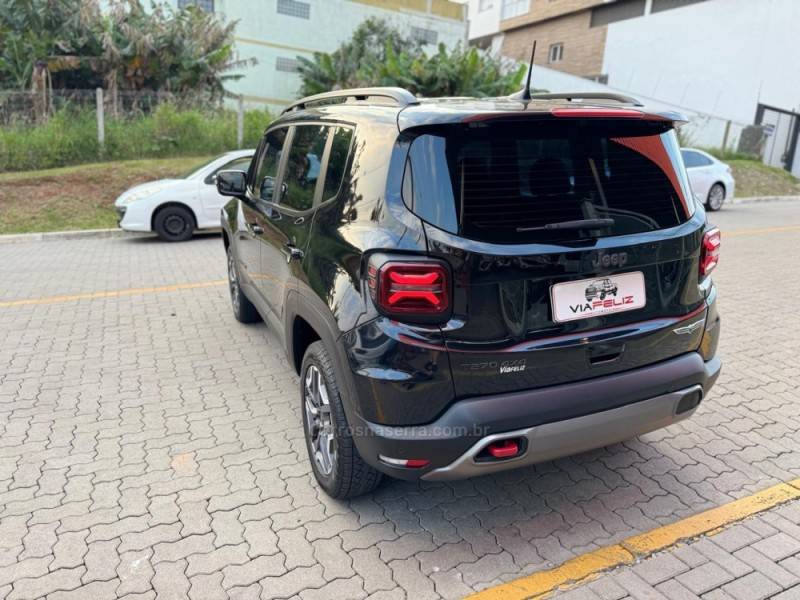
[{"x": 574, "y": 300}]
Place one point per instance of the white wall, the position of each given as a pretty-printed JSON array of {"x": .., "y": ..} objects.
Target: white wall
[
  {"x": 701, "y": 130},
  {"x": 483, "y": 22},
  {"x": 719, "y": 57}
]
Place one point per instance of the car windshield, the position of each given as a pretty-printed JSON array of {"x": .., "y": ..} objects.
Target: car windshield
[{"x": 196, "y": 170}]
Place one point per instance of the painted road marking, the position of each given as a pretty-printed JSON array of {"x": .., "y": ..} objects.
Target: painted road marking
[
  {"x": 742, "y": 232},
  {"x": 592, "y": 564},
  {"x": 114, "y": 293}
]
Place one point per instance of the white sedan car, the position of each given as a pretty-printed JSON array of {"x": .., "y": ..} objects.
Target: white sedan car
[
  {"x": 711, "y": 179},
  {"x": 174, "y": 208}
]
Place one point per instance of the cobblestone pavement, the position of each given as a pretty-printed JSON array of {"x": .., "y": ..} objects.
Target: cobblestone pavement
[
  {"x": 150, "y": 445},
  {"x": 755, "y": 559}
]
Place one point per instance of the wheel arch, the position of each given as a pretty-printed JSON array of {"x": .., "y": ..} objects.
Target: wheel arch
[{"x": 164, "y": 205}]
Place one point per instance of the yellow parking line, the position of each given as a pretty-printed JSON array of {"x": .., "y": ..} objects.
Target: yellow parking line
[
  {"x": 113, "y": 294},
  {"x": 740, "y": 232},
  {"x": 590, "y": 565}
]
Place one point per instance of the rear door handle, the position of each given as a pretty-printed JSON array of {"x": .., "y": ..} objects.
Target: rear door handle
[{"x": 292, "y": 252}]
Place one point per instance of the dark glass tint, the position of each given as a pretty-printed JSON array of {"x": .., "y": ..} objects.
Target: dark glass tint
[
  {"x": 337, "y": 162},
  {"x": 303, "y": 166},
  {"x": 268, "y": 166},
  {"x": 507, "y": 183}
]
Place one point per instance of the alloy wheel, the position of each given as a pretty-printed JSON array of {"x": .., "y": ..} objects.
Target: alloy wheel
[
  {"x": 233, "y": 282},
  {"x": 319, "y": 423},
  {"x": 716, "y": 197}
]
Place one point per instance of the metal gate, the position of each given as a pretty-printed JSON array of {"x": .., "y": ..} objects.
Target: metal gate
[{"x": 782, "y": 128}]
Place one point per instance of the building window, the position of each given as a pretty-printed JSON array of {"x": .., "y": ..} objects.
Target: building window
[
  {"x": 426, "y": 36},
  {"x": 618, "y": 11},
  {"x": 288, "y": 65},
  {"x": 514, "y": 8},
  {"x": 206, "y": 5},
  {"x": 294, "y": 8},
  {"x": 659, "y": 5},
  {"x": 556, "y": 53},
  {"x": 485, "y": 5}
]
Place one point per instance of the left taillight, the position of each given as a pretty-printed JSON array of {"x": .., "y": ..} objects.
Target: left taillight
[
  {"x": 709, "y": 253},
  {"x": 410, "y": 289}
]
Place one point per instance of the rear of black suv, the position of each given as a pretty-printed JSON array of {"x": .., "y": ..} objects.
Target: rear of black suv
[
  {"x": 518, "y": 282},
  {"x": 566, "y": 281}
]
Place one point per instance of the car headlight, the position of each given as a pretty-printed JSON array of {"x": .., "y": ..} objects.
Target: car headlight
[{"x": 130, "y": 197}]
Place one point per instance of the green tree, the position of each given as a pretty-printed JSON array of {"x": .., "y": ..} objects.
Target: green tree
[
  {"x": 122, "y": 47},
  {"x": 377, "y": 54}
]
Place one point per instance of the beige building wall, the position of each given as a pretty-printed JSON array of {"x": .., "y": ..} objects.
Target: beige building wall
[
  {"x": 546, "y": 10},
  {"x": 583, "y": 45}
]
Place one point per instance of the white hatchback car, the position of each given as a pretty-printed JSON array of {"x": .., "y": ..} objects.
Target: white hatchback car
[
  {"x": 711, "y": 179},
  {"x": 174, "y": 208}
]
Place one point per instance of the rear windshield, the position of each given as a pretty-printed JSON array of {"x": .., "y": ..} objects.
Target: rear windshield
[{"x": 510, "y": 183}]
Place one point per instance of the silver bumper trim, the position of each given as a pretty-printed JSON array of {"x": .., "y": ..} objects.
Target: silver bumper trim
[{"x": 571, "y": 436}]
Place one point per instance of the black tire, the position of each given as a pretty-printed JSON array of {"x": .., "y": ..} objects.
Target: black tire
[
  {"x": 243, "y": 309},
  {"x": 349, "y": 475},
  {"x": 174, "y": 223},
  {"x": 716, "y": 197}
]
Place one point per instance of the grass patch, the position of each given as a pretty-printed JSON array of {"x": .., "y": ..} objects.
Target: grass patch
[
  {"x": 754, "y": 178},
  {"x": 80, "y": 197}
]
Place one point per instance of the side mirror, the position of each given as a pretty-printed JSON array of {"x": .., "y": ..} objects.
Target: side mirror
[{"x": 232, "y": 183}]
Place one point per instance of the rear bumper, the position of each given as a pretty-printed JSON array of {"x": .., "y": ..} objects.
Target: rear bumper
[{"x": 556, "y": 421}]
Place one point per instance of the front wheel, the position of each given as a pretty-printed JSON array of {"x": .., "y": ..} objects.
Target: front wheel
[
  {"x": 243, "y": 309},
  {"x": 337, "y": 465},
  {"x": 174, "y": 223},
  {"x": 716, "y": 197}
]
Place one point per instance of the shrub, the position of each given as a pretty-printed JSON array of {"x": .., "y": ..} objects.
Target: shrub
[{"x": 70, "y": 137}]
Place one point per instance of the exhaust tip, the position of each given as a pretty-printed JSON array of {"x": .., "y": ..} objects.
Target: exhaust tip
[{"x": 690, "y": 401}]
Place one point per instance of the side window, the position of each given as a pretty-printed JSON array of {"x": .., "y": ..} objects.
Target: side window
[
  {"x": 694, "y": 159},
  {"x": 303, "y": 166},
  {"x": 264, "y": 184},
  {"x": 337, "y": 162}
]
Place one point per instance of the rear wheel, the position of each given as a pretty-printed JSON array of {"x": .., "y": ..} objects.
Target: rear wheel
[
  {"x": 174, "y": 223},
  {"x": 243, "y": 309},
  {"x": 716, "y": 197},
  {"x": 337, "y": 465}
]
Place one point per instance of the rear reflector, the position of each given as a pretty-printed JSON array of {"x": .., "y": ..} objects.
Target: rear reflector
[
  {"x": 408, "y": 463},
  {"x": 503, "y": 449},
  {"x": 410, "y": 288},
  {"x": 709, "y": 252}
]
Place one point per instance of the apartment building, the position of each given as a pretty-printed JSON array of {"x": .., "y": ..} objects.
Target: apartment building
[{"x": 276, "y": 32}]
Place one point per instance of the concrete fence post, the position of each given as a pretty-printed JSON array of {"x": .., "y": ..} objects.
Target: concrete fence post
[
  {"x": 725, "y": 137},
  {"x": 101, "y": 121},
  {"x": 240, "y": 122}
]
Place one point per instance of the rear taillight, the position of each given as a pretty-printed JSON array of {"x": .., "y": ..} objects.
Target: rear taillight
[
  {"x": 410, "y": 289},
  {"x": 709, "y": 253}
]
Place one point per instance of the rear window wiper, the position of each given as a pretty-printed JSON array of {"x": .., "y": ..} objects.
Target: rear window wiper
[{"x": 580, "y": 224}]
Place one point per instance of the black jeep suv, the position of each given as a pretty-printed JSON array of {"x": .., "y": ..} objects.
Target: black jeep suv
[{"x": 425, "y": 264}]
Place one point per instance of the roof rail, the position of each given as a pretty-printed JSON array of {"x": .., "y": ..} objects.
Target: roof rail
[
  {"x": 589, "y": 96},
  {"x": 401, "y": 96}
]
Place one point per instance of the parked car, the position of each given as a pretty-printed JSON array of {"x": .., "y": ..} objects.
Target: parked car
[
  {"x": 424, "y": 263},
  {"x": 711, "y": 179},
  {"x": 175, "y": 208}
]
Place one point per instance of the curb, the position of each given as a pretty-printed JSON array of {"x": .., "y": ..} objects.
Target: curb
[{"x": 78, "y": 234}]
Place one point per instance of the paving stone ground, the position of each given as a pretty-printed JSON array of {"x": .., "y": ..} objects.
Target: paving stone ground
[{"x": 151, "y": 446}]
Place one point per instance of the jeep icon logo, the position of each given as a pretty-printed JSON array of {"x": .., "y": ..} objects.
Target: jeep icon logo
[{"x": 606, "y": 259}]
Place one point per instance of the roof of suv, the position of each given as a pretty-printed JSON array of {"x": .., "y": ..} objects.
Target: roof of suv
[{"x": 412, "y": 111}]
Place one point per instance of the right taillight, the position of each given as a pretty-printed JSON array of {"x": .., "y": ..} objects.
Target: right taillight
[
  {"x": 410, "y": 289},
  {"x": 709, "y": 253}
]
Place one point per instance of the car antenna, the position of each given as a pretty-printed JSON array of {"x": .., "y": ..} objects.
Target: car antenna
[{"x": 526, "y": 93}]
